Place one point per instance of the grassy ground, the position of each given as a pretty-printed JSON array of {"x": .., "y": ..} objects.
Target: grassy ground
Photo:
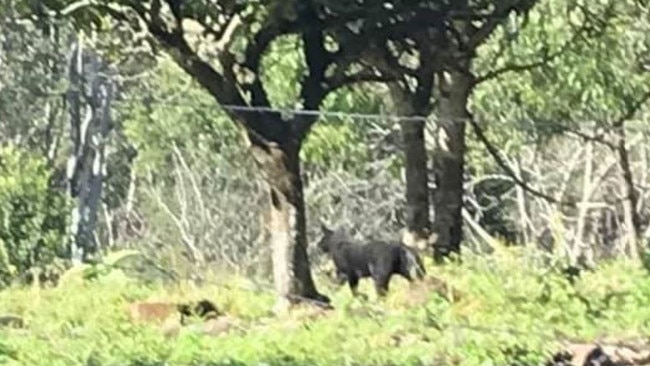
[{"x": 508, "y": 311}]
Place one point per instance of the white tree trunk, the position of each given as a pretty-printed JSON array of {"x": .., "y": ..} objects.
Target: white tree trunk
[
  {"x": 286, "y": 225},
  {"x": 86, "y": 164}
]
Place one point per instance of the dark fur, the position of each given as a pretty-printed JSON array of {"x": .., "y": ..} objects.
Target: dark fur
[
  {"x": 378, "y": 260},
  {"x": 203, "y": 309}
]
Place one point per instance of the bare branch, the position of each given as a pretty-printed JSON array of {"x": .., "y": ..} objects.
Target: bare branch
[
  {"x": 501, "y": 162},
  {"x": 226, "y": 36},
  {"x": 71, "y": 8},
  {"x": 598, "y": 138},
  {"x": 220, "y": 87},
  {"x": 186, "y": 237},
  {"x": 192, "y": 178},
  {"x": 364, "y": 76}
]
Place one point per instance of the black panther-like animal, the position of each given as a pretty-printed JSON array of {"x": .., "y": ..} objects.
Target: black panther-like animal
[{"x": 378, "y": 260}]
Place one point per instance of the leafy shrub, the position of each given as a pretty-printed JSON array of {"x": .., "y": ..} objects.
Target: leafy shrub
[
  {"x": 511, "y": 313},
  {"x": 330, "y": 145},
  {"x": 33, "y": 217}
]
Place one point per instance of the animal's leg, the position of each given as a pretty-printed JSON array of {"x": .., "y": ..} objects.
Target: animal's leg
[
  {"x": 353, "y": 281},
  {"x": 405, "y": 273},
  {"x": 341, "y": 277},
  {"x": 381, "y": 283},
  {"x": 409, "y": 261},
  {"x": 404, "y": 268},
  {"x": 420, "y": 271}
]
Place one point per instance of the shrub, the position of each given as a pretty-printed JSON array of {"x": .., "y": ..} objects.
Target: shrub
[{"x": 33, "y": 216}]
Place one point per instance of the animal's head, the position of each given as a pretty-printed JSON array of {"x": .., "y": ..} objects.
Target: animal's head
[
  {"x": 325, "y": 242},
  {"x": 331, "y": 237}
]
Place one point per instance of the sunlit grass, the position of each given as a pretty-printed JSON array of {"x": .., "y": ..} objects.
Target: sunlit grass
[{"x": 507, "y": 302}]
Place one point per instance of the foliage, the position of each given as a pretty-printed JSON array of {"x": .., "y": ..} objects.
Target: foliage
[
  {"x": 162, "y": 111},
  {"x": 194, "y": 184},
  {"x": 596, "y": 74},
  {"x": 510, "y": 310},
  {"x": 151, "y": 113},
  {"x": 335, "y": 141},
  {"x": 576, "y": 72},
  {"x": 32, "y": 230},
  {"x": 31, "y": 82},
  {"x": 111, "y": 263}
]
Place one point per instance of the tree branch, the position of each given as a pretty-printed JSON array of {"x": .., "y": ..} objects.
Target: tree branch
[
  {"x": 175, "y": 6},
  {"x": 632, "y": 109},
  {"x": 270, "y": 125},
  {"x": 509, "y": 171},
  {"x": 624, "y": 161},
  {"x": 429, "y": 61},
  {"x": 546, "y": 58},
  {"x": 224, "y": 36},
  {"x": 363, "y": 76},
  {"x": 313, "y": 86},
  {"x": 253, "y": 57},
  {"x": 500, "y": 14},
  {"x": 598, "y": 138},
  {"x": 222, "y": 89}
]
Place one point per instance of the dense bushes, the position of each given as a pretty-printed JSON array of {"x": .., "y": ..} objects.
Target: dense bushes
[
  {"x": 511, "y": 311},
  {"x": 33, "y": 216}
]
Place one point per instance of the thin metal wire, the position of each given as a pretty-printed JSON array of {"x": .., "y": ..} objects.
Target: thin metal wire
[
  {"x": 354, "y": 115},
  {"x": 287, "y": 111}
]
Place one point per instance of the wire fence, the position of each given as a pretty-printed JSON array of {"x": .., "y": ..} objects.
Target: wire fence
[
  {"x": 518, "y": 175},
  {"x": 598, "y": 126},
  {"x": 206, "y": 200},
  {"x": 513, "y": 192}
]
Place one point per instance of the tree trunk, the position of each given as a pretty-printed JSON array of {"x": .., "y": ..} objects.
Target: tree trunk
[
  {"x": 417, "y": 184},
  {"x": 74, "y": 102},
  {"x": 449, "y": 162},
  {"x": 86, "y": 163},
  {"x": 632, "y": 219},
  {"x": 286, "y": 224},
  {"x": 418, "y": 221}
]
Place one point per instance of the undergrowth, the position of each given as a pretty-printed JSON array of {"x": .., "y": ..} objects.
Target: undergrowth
[{"x": 512, "y": 312}]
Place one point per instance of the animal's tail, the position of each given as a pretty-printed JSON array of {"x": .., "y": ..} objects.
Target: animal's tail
[{"x": 413, "y": 260}]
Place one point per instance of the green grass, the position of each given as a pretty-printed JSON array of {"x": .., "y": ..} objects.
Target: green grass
[{"x": 510, "y": 311}]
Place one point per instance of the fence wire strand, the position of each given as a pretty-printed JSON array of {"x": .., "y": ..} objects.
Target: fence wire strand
[{"x": 602, "y": 126}]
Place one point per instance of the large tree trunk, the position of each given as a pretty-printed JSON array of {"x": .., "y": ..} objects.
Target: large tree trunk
[
  {"x": 449, "y": 162},
  {"x": 418, "y": 221},
  {"x": 287, "y": 225},
  {"x": 417, "y": 184},
  {"x": 86, "y": 164}
]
